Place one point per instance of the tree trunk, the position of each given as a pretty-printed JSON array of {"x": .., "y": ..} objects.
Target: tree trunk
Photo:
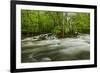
[{"x": 63, "y": 25}]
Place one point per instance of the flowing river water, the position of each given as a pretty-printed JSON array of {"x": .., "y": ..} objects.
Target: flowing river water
[{"x": 76, "y": 48}]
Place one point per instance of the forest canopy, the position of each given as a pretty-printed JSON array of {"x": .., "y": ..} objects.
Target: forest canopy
[{"x": 61, "y": 24}]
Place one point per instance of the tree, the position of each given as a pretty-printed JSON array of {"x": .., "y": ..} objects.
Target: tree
[{"x": 34, "y": 22}]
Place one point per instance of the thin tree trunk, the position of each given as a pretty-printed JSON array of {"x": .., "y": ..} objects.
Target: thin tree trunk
[{"x": 63, "y": 25}]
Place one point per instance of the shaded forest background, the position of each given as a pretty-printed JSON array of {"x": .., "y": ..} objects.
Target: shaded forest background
[{"x": 61, "y": 24}]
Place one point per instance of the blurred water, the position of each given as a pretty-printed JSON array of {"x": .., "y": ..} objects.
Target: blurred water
[{"x": 34, "y": 50}]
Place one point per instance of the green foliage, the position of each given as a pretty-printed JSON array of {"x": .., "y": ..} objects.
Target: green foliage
[
  {"x": 56, "y": 30},
  {"x": 35, "y": 22}
]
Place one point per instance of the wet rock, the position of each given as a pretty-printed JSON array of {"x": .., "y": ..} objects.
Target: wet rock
[
  {"x": 32, "y": 58},
  {"x": 45, "y": 59}
]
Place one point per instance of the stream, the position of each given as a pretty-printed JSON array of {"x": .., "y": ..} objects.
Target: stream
[{"x": 53, "y": 49}]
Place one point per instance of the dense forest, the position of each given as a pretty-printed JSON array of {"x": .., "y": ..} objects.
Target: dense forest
[{"x": 61, "y": 24}]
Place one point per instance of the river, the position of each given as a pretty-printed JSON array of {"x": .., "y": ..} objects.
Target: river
[{"x": 75, "y": 48}]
